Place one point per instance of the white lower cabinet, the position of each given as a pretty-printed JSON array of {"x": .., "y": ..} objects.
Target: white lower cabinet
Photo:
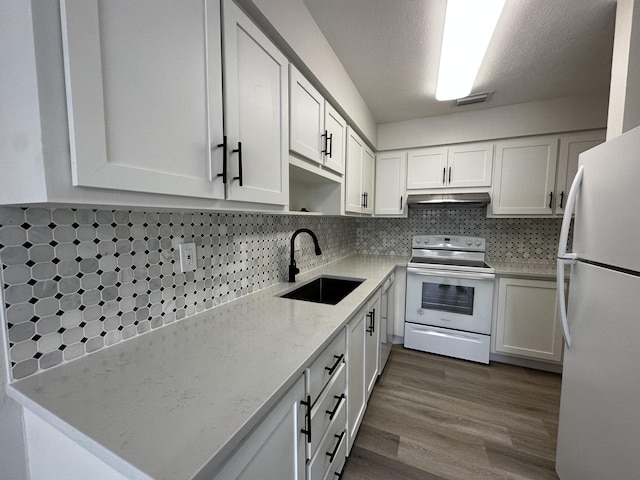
[
  {"x": 527, "y": 322},
  {"x": 327, "y": 455},
  {"x": 372, "y": 343},
  {"x": 276, "y": 449},
  {"x": 356, "y": 399},
  {"x": 363, "y": 347}
]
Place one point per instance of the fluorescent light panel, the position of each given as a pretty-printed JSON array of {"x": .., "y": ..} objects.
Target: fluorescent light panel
[{"x": 468, "y": 28}]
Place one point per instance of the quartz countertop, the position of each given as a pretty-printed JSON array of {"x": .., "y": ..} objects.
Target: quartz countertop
[
  {"x": 173, "y": 403},
  {"x": 522, "y": 268}
]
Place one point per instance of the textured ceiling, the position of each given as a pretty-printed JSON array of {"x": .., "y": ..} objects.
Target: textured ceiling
[{"x": 541, "y": 49}]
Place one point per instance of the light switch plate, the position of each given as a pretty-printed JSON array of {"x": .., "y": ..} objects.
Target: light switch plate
[{"x": 187, "y": 257}]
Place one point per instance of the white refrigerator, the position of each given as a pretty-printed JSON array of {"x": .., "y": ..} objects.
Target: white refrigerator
[{"x": 599, "y": 427}]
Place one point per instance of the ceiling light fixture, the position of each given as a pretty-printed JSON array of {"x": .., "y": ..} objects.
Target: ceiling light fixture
[{"x": 468, "y": 28}]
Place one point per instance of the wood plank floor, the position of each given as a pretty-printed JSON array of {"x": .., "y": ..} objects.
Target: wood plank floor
[{"x": 434, "y": 417}]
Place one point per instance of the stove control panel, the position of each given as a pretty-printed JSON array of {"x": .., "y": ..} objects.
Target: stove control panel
[{"x": 449, "y": 242}]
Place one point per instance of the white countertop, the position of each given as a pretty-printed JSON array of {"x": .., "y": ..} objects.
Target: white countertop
[
  {"x": 539, "y": 269},
  {"x": 173, "y": 403}
]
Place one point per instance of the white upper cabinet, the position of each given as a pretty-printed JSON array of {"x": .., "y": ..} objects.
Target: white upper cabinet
[
  {"x": 307, "y": 118},
  {"x": 524, "y": 177},
  {"x": 426, "y": 168},
  {"x": 318, "y": 132},
  {"x": 256, "y": 111},
  {"x": 391, "y": 168},
  {"x": 336, "y": 134},
  {"x": 360, "y": 179},
  {"x": 571, "y": 146},
  {"x": 469, "y": 165},
  {"x": 456, "y": 166},
  {"x": 354, "y": 193},
  {"x": 368, "y": 180},
  {"x": 143, "y": 114}
]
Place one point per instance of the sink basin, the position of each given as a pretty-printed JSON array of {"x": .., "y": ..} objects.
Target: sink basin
[{"x": 328, "y": 290}]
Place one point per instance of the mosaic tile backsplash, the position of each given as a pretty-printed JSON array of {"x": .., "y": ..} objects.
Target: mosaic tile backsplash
[
  {"x": 79, "y": 280},
  {"x": 76, "y": 281},
  {"x": 508, "y": 239}
]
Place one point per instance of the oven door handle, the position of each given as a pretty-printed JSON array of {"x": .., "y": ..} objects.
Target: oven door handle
[{"x": 432, "y": 272}]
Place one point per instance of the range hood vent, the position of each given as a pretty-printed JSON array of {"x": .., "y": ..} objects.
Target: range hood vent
[{"x": 449, "y": 200}]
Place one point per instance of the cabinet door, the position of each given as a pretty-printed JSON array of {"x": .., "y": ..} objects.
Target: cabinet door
[
  {"x": 336, "y": 128},
  {"x": 426, "y": 168},
  {"x": 306, "y": 117},
  {"x": 527, "y": 321},
  {"x": 276, "y": 449},
  {"x": 470, "y": 165},
  {"x": 390, "y": 183},
  {"x": 256, "y": 111},
  {"x": 524, "y": 178},
  {"x": 368, "y": 180},
  {"x": 138, "y": 76},
  {"x": 571, "y": 146},
  {"x": 372, "y": 343},
  {"x": 353, "y": 181},
  {"x": 356, "y": 399}
]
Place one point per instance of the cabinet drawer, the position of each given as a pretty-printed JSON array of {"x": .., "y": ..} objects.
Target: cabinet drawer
[
  {"x": 325, "y": 366},
  {"x": 335, "y": 469},
  {"x": 326, "y": 408},
  {"x": 330, "y": 447}
]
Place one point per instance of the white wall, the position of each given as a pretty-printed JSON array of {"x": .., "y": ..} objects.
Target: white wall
[
  {"x": 532, "y": 118},
  {"x": 291, "y": 25},
  {"x": 20, "y": 145},
  {"x": 19, "y": 142},
  {"x": 624, "y": 105}
]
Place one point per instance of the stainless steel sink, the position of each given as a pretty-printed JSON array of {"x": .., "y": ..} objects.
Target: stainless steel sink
[{"x": 324, "y": 289}]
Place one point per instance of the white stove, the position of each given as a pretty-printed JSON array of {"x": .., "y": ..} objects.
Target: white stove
[{"x": 449, "y": 301}]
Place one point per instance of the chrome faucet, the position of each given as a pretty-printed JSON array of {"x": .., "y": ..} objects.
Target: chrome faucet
[{"x": 292, "y": 263}]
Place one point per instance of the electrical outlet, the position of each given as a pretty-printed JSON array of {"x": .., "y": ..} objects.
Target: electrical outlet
[
  {"x": 296, "y": 244},
  {"x": 187, "y": 257}
]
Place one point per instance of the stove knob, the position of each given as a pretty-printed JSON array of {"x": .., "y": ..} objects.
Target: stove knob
[
  {"x": 418, "y": 241},
  {"x": 478, "y": 243},
  {"x": 469, "y": 242},
  {"x": 426, "y": 240}
]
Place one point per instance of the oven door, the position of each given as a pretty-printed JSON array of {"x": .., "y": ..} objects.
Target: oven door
[{"x": 450, "y": 299}]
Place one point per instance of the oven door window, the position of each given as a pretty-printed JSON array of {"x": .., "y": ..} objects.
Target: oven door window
[{"x": 447, "y": 298}]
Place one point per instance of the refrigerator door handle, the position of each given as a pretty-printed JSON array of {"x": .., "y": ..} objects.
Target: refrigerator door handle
[
  {"x": 562, "y": 304},
  {"x": 565, "y": 258},
  {"x": 568, "y": 212}
]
